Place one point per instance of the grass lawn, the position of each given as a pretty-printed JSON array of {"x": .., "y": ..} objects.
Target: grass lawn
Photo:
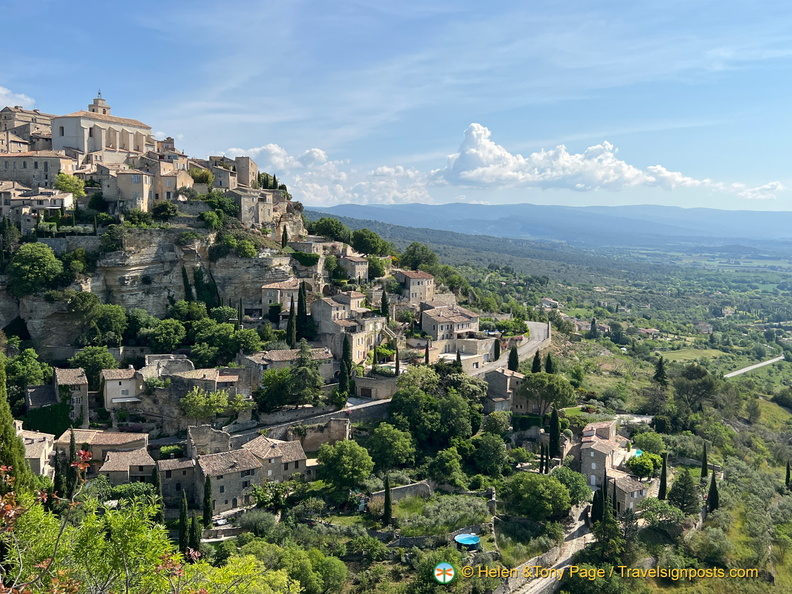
[
  {"x": 692, "y": 354},
  {"x": 572, "y": 411},
  {"x": 774, "y": 416},
  {"x": 409, "y": 506}
]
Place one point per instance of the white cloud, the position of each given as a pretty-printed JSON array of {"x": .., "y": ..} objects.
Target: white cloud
[
  {"x": 480, "y": 162},
  {"x": 7, "y": 97}
]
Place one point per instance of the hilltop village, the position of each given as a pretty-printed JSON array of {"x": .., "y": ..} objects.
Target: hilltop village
[{"x": 287, "y": 392}]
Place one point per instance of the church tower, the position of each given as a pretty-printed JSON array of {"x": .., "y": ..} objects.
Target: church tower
[{"x": 99, "y": 105}]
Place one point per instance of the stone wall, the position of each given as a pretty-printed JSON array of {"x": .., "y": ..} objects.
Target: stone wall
[
  {"x": 516, "y": 583},
  {"x": 315, "y": 435},
  {"x": 420, "y": 489},
  {"x": 61, "y": 245},
  {"x": 294, "y": 414},
  {"x": 377, "y": 388},
  {"x": 203, "y": 439}
]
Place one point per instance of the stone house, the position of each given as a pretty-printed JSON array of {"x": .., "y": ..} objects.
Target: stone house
[
  {"x": 280, "y": 292},
  {"x": 502, "y": 387},
  {"x": 168, "y": 175},
  {"x": 210, "y": 380},
  {"x": 417, "y": 286},
  {"x": 130, "y": 466},
  {"x": 17, "y": 116},
  {"x": 74, "y": 383},
  {"x": 344, "y": 315},
  {"x": 280, "y": 459},
  {"x": 448, "y": 322},
  {"x": 25, "y": 206},
  {"x": 600, "y": 430},
  {"x": 629, "y": 493},
  {"x": 35, "y": 168},
  {"x": 234, "y": 474},
  {"x": 547, "y": 303},
  {"x": 254, "y": 366},
  {"x": 177, "y": 475},
  {"x": 100, "y": 443},
  {"x": 121, "y": 387},
  {"x": 11, "y": 143},
  {"x": 39, "y": 450},
  {"x": 596, "y": 458},
  {"x": 255, "y": 206},
  {"x": 356, "y": 267}
]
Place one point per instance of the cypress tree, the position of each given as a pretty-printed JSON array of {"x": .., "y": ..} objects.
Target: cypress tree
[
  {"x": 704, "y": 465},
  {"x": 660, "y": 376},
  {"x": 661, "y": 493},
  {"x": 514, "y": 359},
  {"x": 346, "y": 353},
  {"x": 397, "y": 361},
  {"x": 284, "y": 237},
  {"x": 59, "y": 480},
  {"x": 159, "y": 515},
  {"x": 388, "y": 511},
  {"x": 459, "y": 359},
  {"x": 183, "y": 524},
  {"x": 194, "y": 538},
  {"x": 497, "y": 349},
  {"x": 291, "y": 327},
  {"x": 207, "y": 502},
  {"x": 72, "y": 473},
  {"x": 343, "y": 379},
  {"x": 537, "y": 363},
  {"x": 596, "y": 507},
  {"x": 541, "y": 458},
  {"x": 593, "y": 332},
  {"x": 12, "y": 448},
  {"x": 614, "y": 495},
  {"x": 302, "y": 312},
  {"x": 713, "y": 498},
  {"x": 549, "y": 364},
  {"x": 274, "y": 182},
  {"x": 555, "y": 434},
  {"x": 385, "y": 305},
  {"x": 426, "y": 354},
  {"x": 788, "y": 477}
]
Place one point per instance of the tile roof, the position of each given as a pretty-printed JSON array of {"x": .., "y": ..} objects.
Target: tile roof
[
  {"x": 508, "y": 373},
  {"x": 100, "y": 117},
  {"x": 97, "y": 437},
  {"x": 265, "y": 448},
  {"x": 41, "y": 154},
  {"x": 283, "y": 355},
  {"x": 33, "y": 112},
  {"x": 629, "y": 485},
  {"x": 454, "y": 314},
  {"x": 36, "y": 443},
  {"x": 118, "y": 374},
  {"x": 70, "y": 377},
  {"x": 290, "y": 284},
  {"x": 601, "y": 445},
  {"x": 599, "y": 425},
  {"x": 39, "y": 396},
  {"x": 415, "y": 274},
  {"x": 121, "y": 461},
  {"x": 356, "y": 259},
  {"x": 175, "y": 464},
  {"x": 227, "y": 462},
  {"x": 209, "y": 374}
]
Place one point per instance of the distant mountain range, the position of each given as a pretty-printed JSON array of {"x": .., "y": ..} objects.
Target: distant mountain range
[{"x": 645, "y": 225}]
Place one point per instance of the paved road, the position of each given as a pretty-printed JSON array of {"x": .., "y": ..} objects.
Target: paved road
[
  {"x": 752, "y": 367},
  {"x": 575, "y": 541},
  {"x": 539, "y": 331}
]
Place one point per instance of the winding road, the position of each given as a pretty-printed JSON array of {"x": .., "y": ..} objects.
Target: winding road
[
  {"x": 539, "y": 332},
  {"x": 757, "y": 366}
]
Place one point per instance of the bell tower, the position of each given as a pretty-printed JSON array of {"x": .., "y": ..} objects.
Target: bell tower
[{"x": 99, "y": 105}]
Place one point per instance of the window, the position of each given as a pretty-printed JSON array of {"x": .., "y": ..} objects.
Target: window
[
  {"x": 286, "y": 466},
  {"x": 297, "y": 464},
  {"x": 246, "y": 473},
  {"x": 272, "y": 461},
  {"x": 168, "y": 473},
  {"x": 24, "y": 164},
  {"x": 136, "y": 179},
  {"x": 593, "y": 466},
  {"x": 178, "y": 487},
  {"x": 269, "y": 472},
  {"x": 184, "y": 473},
  {"x": 61, "y": 131},
  {"x": 592, "y": 453},
  {"x": 90, "y": 132},
  {"x": 35, "y": 164},
  {"x": 119, "y": 383},
  {"x": 219, "y": 477},
  {"x": 245, "y": 484},
  {"x": 222, "y": 488},
  {"x": 140, "y": 469},
  {"x": 124, "y": 392},
  {"x": 226, "y": 501}
]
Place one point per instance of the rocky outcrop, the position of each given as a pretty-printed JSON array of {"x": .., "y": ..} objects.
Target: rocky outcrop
[{"x": 51, "y": 326}]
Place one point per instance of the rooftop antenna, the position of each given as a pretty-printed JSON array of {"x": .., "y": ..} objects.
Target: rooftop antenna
[{"x": 99, "y": 93}]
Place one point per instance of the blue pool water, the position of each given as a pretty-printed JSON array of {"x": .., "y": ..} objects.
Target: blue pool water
[
  {"x": 467, "y": 539},
  {"x": 638, "y": 452}
]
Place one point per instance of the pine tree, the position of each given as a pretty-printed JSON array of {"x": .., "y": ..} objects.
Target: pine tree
[
  {"x": 549, "y": 364},
  {"x": 207, "y": 502},
  {"x": 660, "y": 376},
  {"x": 426, "y": 354},
  {"x": 704, "y": 465},
  {"x": 683, "y": 493},
  {"x": 159, "y": 515},
  {"x": 555, "y": 434},
  {"x": 713, "y": 498},
  {"x": 661, "y": 493},
  {"x": 788, "y": 476},
  {"x": 196, "y": 532},
  {"x": 302, "y": 312},
  {"x": 284, "y": 237},
  {"x": 537, "y": 363},
  {"x": 12, "y": 448},
  {"x": 496, "y": 349},
  {"x": 291, "y": 327},
  {"x": 388, "y": 511},
  {"x": 183, "y": 524},
  {"x": 385, "y": 305},
  {"x": 514, "y": 359}
]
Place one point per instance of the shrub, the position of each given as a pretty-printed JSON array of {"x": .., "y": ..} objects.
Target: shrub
[
  {"x": 171, "y": 451},
  {"x": 257, "y": 521},
  {"x": 445, "y": 514},
  {"x": 138, "y": 217},
  {"x": 305, "y": 259},
  {"x": 188, "y": 237}
]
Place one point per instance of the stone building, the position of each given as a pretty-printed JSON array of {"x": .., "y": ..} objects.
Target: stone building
[
  {"x": 121, "y": 388},
  {"x": 629, "y": 493},
  {"x": 39, "y": 450},
  {"x": 502, "y": 387},
  {"x": 35, "y": 168},
  {"x": 279, "y": 459},
  {"x": 356, "y": 267},
  {"x": 254, "y": 366},
  {"x": 177, "y": 475},
  {"x": 131, "y": 466},
  {"x": 100, "y": 443},
  {"x": 344, "y": 315},
  {"x": 417, "y": 285},
  {"x": 74, "y": 383},
  {"x": 233, "y": 473},
  {"x": 448, "y": 322},
  {"x": 26, "y": 207}
]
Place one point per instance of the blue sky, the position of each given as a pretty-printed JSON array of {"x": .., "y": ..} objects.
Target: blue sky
[{"x": 679, "y": 103}]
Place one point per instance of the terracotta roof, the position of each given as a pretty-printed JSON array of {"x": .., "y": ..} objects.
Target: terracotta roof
[
  {"x": 36, "y": 443},
  {"x": 508, "y": 373},
  {"x": 416, "y": 274},
  {"x": 209, "y": 374},
  {"x": 34, "y": 112},
  {"x": 356, "y": 259},
  {"x": 227, "y": 462},
  {"x": 70, "y": 377},
  {"x": 118, "y": 374},
  {"x": 354, "y": 294},
  {"x": 175, "y": 464},
  {"x": 121, "y": 461},
  {"x": 629, "y": 485},
  {"x": 100, "y": 117},
  {"x": 291, "y": 283},
  {"x": 97, "y": 437},
  {"x": 599, "y": 425},
  {"x": 454, "y": 314},
  {"x": 265, "y": 448}
]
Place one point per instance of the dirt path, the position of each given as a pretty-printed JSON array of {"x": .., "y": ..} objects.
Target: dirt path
[{"x": 752, "y": 367}]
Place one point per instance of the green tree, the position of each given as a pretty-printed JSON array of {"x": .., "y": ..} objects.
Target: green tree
[
  {"x": 426, "y": 354},
  {"x": 110, "y": 324},
  {"x": 547, "y": 390},
  {"x": 207, "y": 502},
  {"x": 496, "y": 352},
  {"x": 332, "y": 229},
  {"x": 167, "y": 336},
  {"x": 661, "y": 493},
  {"x": 385, "y": 305},
  {"x": 201, "y": 404},
  {"x": 536, "y": 367},
  {"x": 184, "y": 528},
  {"x": 194, "y": 537},
  {"x": 713, "y": 498},
  {"x": 579, "y": 491},
  {"x": 23, "y": 371},
  {"x": 164, "y": 211},
  {"x": 645, "y": 465},
  {"x": 514, "y": 359},
  {"x": 661, "y": 515},
  {"x": 536, "y": 496},
  {"x": 156, "y": 482},
  {"x": 549, "y": 364},
  {"x": 683, "y": 494},
  {"x": 610, "y": 543},
  {"x": 344, "y": 465},
  {"x": 498, "y": 423},
  {"x": 12, "y": 448},
  {"x": 387, "y": 514},
  {"x": 306, "y": 381},
  {"x": 649, "y": 441},
  {"x": 70, "y": 184},
  {"x": 555, "y": 434},
  {"x": 446, "y": 468},
  {"x": 367, "y": 242},
  {"x": 490, "y": 455},
  {"x": 596, "y": 507},
  {"x": 302, "y": 312},
  {"x": 390, "y": 447},
  {"x": 416, "y": 255},
  {"x": 291, "y": 326},
  {"x": 376, "y": 267},
  {"x": 660, "y": 375},
  {"x": 284, "y": 237},
  {"x": 275, "y": 390},
  {"x": 454, "y": 417},
  {"x": 93, "y": 360},
  {"x": 788, "y": 477},
  {"x": 33, "y": 268},
  {"x": 593, "y": 332},
  {"x": 704, "y": 465}
]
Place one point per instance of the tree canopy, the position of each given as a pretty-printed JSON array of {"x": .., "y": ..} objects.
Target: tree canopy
[{"x": 547, "y": 390}]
